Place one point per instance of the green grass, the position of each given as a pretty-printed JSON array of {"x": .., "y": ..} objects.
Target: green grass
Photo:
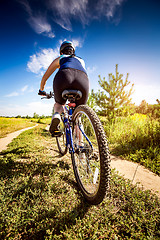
[
  {"x": 39, "y": 198},
  {"x": 8, "y": 125},
  {"x": 41, "y": 120},
  {"x": 136, "y": 138}
]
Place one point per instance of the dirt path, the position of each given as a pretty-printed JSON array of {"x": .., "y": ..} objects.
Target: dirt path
[
  {"x": 129, "y": 170},
  {"x": 6, "y": 140},
  {"x": 137, "y": 174}
]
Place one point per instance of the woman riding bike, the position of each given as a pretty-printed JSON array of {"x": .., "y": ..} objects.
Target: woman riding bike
[{"x": 71, "y": 75}]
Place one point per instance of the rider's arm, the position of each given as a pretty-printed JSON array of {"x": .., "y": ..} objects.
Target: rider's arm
[{"x": 54, "y": 65}]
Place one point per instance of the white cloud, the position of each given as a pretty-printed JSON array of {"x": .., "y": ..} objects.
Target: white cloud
[
  {"x": 41, "y": 26},
  {"x": 24, "y": 88},
  {"x": 91, "y": 70},
  {"x": 38, "y": 21},
  {"x": 39, "y": 62},
  {"x": 19, "y": 92},
  {"x": 29, "y": 109},
  {"x": 64, "y": 11},
  {"x": 84, "y": 10},
  {"x": 108, "y": 7},
  {"x": 77, "y": 42},
  {"x": 13, "y": 94},
  {"x": 40, "y": 107}
]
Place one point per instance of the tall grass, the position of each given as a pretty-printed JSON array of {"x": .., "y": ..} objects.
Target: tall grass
[
  {"x": 137, "y": 138},
  {"x": 8, "y": 125}
]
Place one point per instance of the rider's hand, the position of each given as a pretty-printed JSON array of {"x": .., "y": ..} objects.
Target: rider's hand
[{"x": 42, "y": 93}]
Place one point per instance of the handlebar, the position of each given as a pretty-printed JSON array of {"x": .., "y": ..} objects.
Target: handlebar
[{"x": 46, "y": 95}]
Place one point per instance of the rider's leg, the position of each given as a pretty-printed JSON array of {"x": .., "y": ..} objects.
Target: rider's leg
[
  {"x": 58, "y": 108},
  {"x": 56, "y": 118},
  {"x": 78, "y": 133}
]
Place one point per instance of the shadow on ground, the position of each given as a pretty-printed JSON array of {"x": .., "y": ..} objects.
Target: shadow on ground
[{"x": 29, "y": 179}]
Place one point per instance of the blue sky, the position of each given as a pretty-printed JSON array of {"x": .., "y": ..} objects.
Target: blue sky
[{"x": 105, "y": 33}]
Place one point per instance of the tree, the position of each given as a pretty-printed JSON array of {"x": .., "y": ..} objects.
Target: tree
[
  {"x": 143, "y": 107},
  {"x": 115, "y": 96},
  {"x": 91, "y": 100},
  {"x": 35, "y": 115},
  {"x": 18, "y": 116},
  {"x": 28, "y": 117},
  {"x": 158, "y": 101}
]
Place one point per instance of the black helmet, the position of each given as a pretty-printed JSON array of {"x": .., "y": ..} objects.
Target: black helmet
[{"x": 67, "y": 45}]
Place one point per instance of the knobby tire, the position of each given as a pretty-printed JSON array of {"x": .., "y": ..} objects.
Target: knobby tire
[{"x": 104, "y": 157}]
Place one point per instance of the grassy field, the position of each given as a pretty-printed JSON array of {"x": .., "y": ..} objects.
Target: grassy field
[
  {"x": 42, "y": 120},
  {"x": 39, "y": 198},
  {"x": 136, "y": 138},
  {"x": 8, "y": 125}
]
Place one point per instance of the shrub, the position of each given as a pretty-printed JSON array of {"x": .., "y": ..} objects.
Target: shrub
[{"x": 137, "y": 138}]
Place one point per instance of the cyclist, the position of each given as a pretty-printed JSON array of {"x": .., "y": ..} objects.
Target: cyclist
[{"x": 71, "y": 75}]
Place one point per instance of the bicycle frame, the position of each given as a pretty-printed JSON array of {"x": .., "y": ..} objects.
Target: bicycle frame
[
  {"x": 88, "y": 154},
  {"x": 66, "y": 120},
  {"x": 69, "y": 138}
]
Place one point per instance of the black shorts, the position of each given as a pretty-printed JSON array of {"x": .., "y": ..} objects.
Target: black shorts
[{"x": 70, "y": 78}]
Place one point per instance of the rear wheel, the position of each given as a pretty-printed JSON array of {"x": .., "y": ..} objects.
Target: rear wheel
[
  {"x": 61, "y": 140},
  {"x": 91, "y": 161}
]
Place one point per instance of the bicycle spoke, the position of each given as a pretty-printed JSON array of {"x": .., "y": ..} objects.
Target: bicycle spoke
[
  {"x": 89, "y": 168},
  {"x": 91, "y": 154}
]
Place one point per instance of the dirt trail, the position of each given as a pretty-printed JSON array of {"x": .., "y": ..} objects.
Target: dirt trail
[
  {"x": 6, "y": 140},
  {"x": 129, "y": 170},
  {"x": 137, "y": 174}
]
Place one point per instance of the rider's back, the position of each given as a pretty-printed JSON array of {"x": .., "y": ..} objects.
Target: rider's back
[{"x": 69, "y": 61}]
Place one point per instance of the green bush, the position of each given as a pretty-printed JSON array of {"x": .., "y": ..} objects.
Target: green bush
[{"x": 135, "y": 137}]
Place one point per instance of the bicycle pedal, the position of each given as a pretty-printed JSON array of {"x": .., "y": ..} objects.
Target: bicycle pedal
[{"x": 56, "y": 134}]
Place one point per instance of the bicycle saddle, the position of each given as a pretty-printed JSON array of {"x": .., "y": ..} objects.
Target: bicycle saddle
[{"x": 71, "y": 94}]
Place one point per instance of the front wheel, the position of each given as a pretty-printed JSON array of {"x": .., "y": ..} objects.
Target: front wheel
[{"x": 91, "y": 160}]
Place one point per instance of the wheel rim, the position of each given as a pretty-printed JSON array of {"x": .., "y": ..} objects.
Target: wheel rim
[{"x": 86, "y": 156}]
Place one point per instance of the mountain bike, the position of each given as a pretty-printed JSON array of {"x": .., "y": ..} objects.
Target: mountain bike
[{"x": 82, "y": 134}]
